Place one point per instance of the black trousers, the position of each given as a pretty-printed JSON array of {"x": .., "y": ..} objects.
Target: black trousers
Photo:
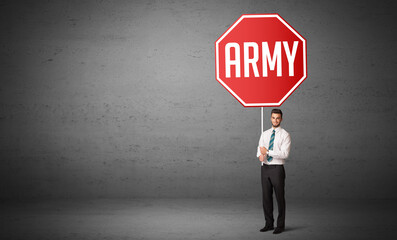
[{"x": 273, "y": 177}]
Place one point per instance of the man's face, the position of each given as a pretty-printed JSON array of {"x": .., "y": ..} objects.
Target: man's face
[{"x": 276, "y": 119}]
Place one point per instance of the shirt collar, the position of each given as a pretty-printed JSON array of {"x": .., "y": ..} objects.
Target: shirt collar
[{"x": 277, "y": 129}]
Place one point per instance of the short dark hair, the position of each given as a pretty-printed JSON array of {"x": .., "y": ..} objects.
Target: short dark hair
[{"x": 277, "y": 111}]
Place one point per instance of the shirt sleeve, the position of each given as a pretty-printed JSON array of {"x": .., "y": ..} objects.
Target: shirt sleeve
[
  {"x": 285, "y": 148},
  {"x": 260, "y": 144}
]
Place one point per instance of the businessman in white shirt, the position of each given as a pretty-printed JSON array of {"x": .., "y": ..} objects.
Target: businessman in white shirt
[{"x": 273, "y": 149}]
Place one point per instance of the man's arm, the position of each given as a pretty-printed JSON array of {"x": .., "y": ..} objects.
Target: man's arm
[{"x": 285, "y": 148}]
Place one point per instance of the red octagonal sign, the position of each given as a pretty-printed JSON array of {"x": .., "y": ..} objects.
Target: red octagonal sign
[{"x": 260, "y": 60}]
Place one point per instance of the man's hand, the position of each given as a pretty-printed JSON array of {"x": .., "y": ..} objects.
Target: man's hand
[
  {"x": 263, "y": 151},
  {"x": 261, "y": 158}
]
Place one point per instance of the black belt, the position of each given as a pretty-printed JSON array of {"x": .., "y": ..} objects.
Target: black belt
[{"x": 272, "y": 166}]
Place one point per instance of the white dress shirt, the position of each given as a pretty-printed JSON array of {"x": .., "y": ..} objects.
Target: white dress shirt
[{"x": 281, "y": 146}]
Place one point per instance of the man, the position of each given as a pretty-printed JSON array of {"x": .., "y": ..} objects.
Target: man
[{"x": 273, "y": 149}]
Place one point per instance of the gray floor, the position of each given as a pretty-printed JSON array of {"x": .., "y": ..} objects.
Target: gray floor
[{"x": 194, "y": 219}]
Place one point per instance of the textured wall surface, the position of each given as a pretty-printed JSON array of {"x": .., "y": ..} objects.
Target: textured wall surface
[{"x": 119, "y": 99}]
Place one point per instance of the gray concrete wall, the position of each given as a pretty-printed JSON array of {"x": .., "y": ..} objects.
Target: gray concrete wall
[{"x": 119, "y": 99}]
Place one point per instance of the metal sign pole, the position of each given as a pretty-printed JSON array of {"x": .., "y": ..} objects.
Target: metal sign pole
[{"x": 261, "y": 120}]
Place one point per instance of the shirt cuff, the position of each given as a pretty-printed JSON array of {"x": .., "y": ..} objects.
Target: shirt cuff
[
  {"x": 270, "y": 153},
  {"x": 258, "y": 152}
]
